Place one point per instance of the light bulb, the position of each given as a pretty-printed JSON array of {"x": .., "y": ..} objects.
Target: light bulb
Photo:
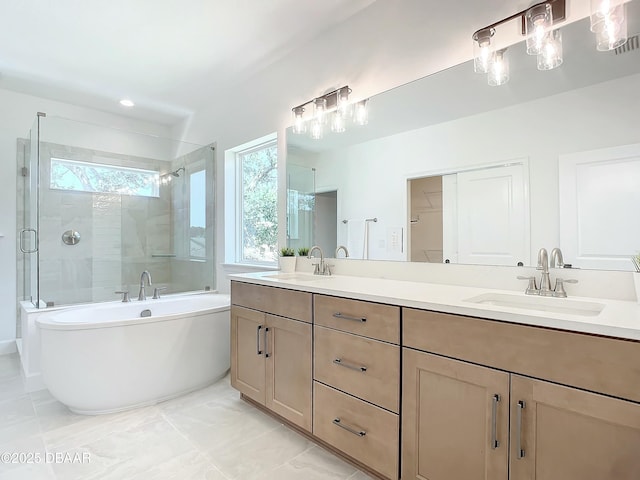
[
  {"x": 361, "y": 113},
  {"x": 550, "y": 55},
  {"x": 538, "y": 22},
  {"x": 498, "y": 70},
  {"x": 483, "y": 51},
  {"x": 317, "y": 129},
  {"x": 338, "y": 124},
  {"x": 342, "y": 100},
  {"x": 299, "y": 125},
  {"x": 320, "y": 109}
]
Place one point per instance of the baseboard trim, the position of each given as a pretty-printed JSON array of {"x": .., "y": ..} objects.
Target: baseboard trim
[{"x": 7, "y": 347}]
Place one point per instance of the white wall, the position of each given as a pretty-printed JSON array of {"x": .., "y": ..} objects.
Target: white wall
[
  {"x": 371, "y": 177},
  {"x": 16, "y": 118}
]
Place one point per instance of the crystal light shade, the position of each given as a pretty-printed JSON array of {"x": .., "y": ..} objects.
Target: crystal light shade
[
  {"x": 538, "y": 22},
  {"x": 361, "y": 113},
  {"x": 338, "y": 123},
  {"x": 299, "y": 125},
  {"x": 499, "y": 69},
  {"x": 550, "y": 56},
  {"x": 320, "y": 110},
  {"x": 609, "y": 23},
  {"x": 483, "y": 52},
  {"x": 317, "y": 129}
]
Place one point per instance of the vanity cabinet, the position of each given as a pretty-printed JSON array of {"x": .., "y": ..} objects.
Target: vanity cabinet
[
  {"x": 271, "y": 356},
  {"x": 357, "y": 380},
  {"x": 464, "y": 420}
]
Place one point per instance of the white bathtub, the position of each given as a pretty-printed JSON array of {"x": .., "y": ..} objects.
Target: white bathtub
[{"x": 106, "y": 358}]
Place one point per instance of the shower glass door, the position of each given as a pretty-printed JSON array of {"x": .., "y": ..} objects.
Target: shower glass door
[{"x": 114, "y": 203}]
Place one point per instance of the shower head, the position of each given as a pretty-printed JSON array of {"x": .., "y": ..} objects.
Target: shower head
[{"x": 166, "y": 177}]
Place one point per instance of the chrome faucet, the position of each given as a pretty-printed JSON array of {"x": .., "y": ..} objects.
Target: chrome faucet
[
  {"x": 556, "y": 258},
  {"x": 142, "y": 295},
  {"x": 545, "y": 282},
  {"x": 343, "y": 248},
  {"x": 320, "y": 268}
]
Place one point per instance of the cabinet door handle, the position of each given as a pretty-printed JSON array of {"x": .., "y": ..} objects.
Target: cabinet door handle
[
  {"x": 494, "y": 421},
  {"x": 258, "y": 351},
  {"x": 347, "y": 317},
  {"x": 355, "y": 431},
  {"x": 338, "y": 361},
  {"x": 266, "y": 343},
  {"x": 520, "y": 450}
]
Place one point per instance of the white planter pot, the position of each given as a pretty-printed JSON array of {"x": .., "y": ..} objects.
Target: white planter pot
[
  {"x": 287, "y": 264},
  {"x": 636, "y": 282}
]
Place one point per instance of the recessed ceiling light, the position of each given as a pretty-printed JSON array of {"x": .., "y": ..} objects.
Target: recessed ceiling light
[{"x": 126, "y": 103}]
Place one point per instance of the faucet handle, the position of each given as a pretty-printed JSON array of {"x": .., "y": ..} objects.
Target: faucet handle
[
  {"x": 316, "y": 269},
  {"x": 125, "y": 295},
  {"x": 156, "y": 292},
  {"x": 531, "y": 289},
  {"x": 559, "y": 291}
]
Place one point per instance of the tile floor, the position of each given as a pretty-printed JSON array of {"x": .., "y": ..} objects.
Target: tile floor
[{"x": 209, "y": 434}]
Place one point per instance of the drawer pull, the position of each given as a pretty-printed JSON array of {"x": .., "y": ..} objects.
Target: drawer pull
[
  {"x": 520, "y": 450},
  {"x": 266, "y": 343},
  {"x": 359, "y": 433},
  {"x": 338, "y": 361},
  {"x": 258, "y": 351},
  {"x": 347, "y": 317},
  {"x": 495, "y": 443}
]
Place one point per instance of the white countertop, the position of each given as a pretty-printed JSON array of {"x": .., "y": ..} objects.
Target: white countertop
[{"x": 617, "y": 319}]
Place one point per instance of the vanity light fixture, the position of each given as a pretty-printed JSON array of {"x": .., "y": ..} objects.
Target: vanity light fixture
[
  {"x": 333, "y": 108},
  {"x": 542, "y": 41}
]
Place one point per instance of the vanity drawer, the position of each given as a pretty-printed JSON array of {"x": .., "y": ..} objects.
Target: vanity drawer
[
  {"x": 363, "y": 367},
  {"x": 363, "y": 431},
  {"x": 373, "y": 320},
  {"x": 600, "y": 364},
  {"x": 277, "y": 301}
]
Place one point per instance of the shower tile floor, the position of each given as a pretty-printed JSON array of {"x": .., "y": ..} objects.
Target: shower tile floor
[{"x": 209, "y": 434}]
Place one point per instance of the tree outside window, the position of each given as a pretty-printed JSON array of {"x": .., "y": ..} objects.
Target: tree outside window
[{"x": 258, "y": 198}]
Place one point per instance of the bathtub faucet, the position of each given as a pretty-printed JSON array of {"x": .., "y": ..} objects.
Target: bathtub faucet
[{"x": 142, "y": 295}]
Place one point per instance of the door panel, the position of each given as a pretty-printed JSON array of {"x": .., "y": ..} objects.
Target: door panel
[
  {"x": 288, "y": 370},
  {"x": 448, "y": 419},
  {"x": 569, "y": 434},
  {"x": 247, "y": 352}
]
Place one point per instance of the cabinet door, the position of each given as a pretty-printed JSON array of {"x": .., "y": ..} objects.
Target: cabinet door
[
  {"x": 289, "y": 373},
  {"x": 562, "y": 433},
  {"x": 247, "y": 352},
  {"x": 454, "y": 419}
]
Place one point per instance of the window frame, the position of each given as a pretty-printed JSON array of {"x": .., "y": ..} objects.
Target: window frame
[{"x": 240, "y": 153}]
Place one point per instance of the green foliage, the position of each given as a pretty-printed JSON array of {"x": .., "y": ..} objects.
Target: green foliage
[
  {"x": 259, "y": 200},
  {"x": 636, "y": 262},
  {"x": 303, "y": 251},
  {"x": 287, "y": 252}
]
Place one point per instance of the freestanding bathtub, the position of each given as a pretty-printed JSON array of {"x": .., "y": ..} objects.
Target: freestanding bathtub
[{"x": 110, "y": 357}]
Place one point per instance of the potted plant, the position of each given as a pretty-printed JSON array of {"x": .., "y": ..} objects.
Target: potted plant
[
  {"x": 636, "y": 275},
  {"x": 287, "y": 260},
  {"x": 303, "y": 251}
]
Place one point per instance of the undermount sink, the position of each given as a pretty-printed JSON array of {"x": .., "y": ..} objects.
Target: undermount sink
[
  {"x": 542, "y": 304},
  {"x": 296, "y": 277}
]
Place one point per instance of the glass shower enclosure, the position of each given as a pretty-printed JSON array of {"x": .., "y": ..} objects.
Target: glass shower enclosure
[{"x": 97, "y": 206}]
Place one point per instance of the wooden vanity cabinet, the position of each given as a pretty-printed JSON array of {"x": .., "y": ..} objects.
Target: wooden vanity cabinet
[
  {"x": 454, "y": 410},
  {"x": 271, "y": 356}
]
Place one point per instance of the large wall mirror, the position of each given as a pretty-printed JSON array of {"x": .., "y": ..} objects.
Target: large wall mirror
[{"x": 450, "y": 169}]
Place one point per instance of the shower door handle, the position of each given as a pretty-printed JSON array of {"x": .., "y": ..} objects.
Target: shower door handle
[{"x": 35, "y": 237}]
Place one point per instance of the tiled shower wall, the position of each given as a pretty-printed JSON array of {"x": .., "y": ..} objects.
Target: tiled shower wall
[{"x": 121, "y": 235}]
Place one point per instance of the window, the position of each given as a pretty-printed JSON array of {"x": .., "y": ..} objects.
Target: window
[
  {"x": 99, "y": 178},
  {"x": 257, "y": 188},
  {"x": 197, "y": 214}
]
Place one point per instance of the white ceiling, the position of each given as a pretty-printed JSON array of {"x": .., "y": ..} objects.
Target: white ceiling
[{"x": 170, "y": 57}]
